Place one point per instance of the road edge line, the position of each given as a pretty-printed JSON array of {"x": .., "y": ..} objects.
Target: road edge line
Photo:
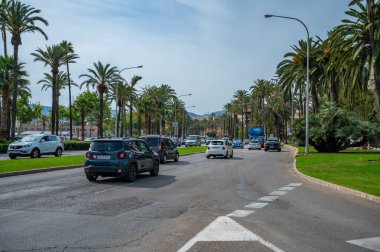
[
  {"x": 330, "y": 185},
  {"x": 39, "y": 170}
]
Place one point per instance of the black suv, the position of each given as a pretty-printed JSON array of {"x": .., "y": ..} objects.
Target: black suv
[
  {"x": 120, "y": 158},
  {"x": 272, "y": 144},
  {"x": 164, "y": 146}
]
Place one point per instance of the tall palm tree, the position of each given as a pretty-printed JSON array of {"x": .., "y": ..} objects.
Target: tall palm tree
[
  {"x": 100, "y": 77},
  {"x": 53, "y": 56},
  {"x": 18, "y": 19},
  {"x": 161, "y": 96},
  {"x": 132, "y": 97},
  {"x": 6, "y": 68},
  {"x": 70, "y": 57},
  {"x": 148, "y": 94},
  {"x": 242, "y": 99}
]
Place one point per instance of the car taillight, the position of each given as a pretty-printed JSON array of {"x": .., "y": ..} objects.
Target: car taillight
[
  {"x": 223, "y": 148},
  {"x": 121, "y": 155},
  {"x": 88, "y": 154},
  {"x": 208, "y": 147}
]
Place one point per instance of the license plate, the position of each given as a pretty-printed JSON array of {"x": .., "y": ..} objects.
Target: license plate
[
  {"x": 103, "y": 157},
  {"x": 215, "y": 148}
]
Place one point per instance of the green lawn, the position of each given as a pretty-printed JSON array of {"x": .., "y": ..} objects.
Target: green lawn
[
  {"x": 191, "y": 150},
  {"x": 23, "y": 164},
  {"x": 357, "y": 170}
]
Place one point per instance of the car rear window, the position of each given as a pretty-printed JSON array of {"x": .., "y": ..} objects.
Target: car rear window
[
  {"x": 217, "y": 143},
  {"x": 106, "y": 145},
  {"x": 192, "y": 138},
  {"x": 152, "y": 141}
]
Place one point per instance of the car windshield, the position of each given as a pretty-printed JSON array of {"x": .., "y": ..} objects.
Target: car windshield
[
  {"x": 192, "y": 138},
  {"x": 106, "y": 145},
  {"x": 255, "y": 142},
  {"x": 30, "y": 138},
  {"x": 152, "y": 141},
  {"x": 217, "y": 143}
]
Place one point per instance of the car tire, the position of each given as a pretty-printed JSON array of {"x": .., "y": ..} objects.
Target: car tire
[
  {"x": 58, "y": 152},
  {"x": 279, "y": 149},
  {"x": 164, "y": 159},
  {"x": 91, "y": 178},
  {"x": 12, "y": 156},
  {"x": 208, "y": 156},
  {"x": 35, "y": 153},
  {"x": 176, "y": 158},
  {"x": 132, "y": 173},
  {"x": 232, "y": 154},
  {"x": 266, "y": 149},
  {"x": 155, "y": 169},
  {"x": 226, "y": 156}
]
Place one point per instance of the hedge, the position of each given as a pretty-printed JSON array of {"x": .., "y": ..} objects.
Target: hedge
[
  {"x": 76, "y": 145},
  {"x": 3, "y": 148}
]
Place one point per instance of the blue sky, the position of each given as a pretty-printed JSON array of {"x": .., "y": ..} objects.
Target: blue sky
[{"x": 209, "y": 48}]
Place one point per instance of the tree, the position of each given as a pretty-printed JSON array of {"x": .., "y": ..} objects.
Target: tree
[
  {"x": 53, "y": 56},
  {"x": 132, "y": 97},
  {"x": 70, "y": 57},
  {"x": 242, "y": 100},
  {"x": 100, "y": 77},
  {"x": 27, "y": 112},
  {"x": 18, "y": 19},
  {"x": 86, "y": 103}
]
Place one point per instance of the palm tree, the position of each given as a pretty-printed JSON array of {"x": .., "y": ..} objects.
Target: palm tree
[
  {"x": 6, "y": 67},
  {"x": 132, "y": 97},
  {"x": 18, "y": 19},
  {"x": 70, "y": 57},
  {"x": 148, "y": 94},
  {"x": 100, "y": 77},
  {"x": 53, "y": 56},
  {"x": 242, "y": 100}
]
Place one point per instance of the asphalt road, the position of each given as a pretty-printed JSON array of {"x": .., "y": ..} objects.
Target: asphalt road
[{"x": 252, "y": 202}]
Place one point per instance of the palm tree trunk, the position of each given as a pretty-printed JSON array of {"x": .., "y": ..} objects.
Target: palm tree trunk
[
  {"x": 314, "y": 97},
  {"x": 130, "y": 118},
  {"x": 139, "y": 123},
  {"x": 15, "y": 87},
  {"x": 82, "y": 122},
  {"x": 4, "y": 111},
  {"x": 149, "y": 125},
  {"x": 301, "y": 102},
  {"x": 101, "y": 114},
  {"x": 70, "y": 112},
  {"x": 242, "y": 125},
  {"x": 53, "y": 100},
  {"x": 118, "y": 121},
  {"x": 57, "y": 112}
]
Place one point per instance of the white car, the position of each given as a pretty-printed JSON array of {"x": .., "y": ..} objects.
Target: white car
[
  {"x": 36, "y": 145},
  {"x": 254, "y": 145},
  {"x": 193, "y": 140},
  {"x": 219, "y": 148}
]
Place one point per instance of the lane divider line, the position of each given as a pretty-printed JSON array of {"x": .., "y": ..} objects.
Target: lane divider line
[
  {"x": 257, "y": 205},
  {"x": 278, "y": 193},
  {"x": 240, "y": 213},
  {"x": 295, "y": 184},
  {"x": 269, "y": 198},
  {"x": 286, "y": 188}
]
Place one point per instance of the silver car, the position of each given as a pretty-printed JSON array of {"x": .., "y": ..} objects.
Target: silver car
[
  {"x": 36, "y": 145},
  {"x": 254, "y": 145}
]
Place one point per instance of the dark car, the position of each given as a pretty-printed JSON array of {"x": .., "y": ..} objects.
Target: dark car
[
  {"x": 272, "y": 144},
  {"x": 165, "y": 147},
  {"x": 120, "y": 158}
]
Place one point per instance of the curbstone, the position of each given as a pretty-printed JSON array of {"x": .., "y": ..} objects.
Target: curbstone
[
  {"x": 321, "y": 182},
  {"x": 9, "y": 174}
]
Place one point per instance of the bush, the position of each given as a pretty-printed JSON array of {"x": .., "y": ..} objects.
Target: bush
[
  {"x": 76, "y": 145},
  {"x": 3, "y": 148}
]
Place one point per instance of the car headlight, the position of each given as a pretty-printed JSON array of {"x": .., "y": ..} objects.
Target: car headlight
[{"x": 27, "y": 145}]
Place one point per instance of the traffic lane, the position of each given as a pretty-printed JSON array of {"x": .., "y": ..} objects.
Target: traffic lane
[
  {"x": 50, "y": 211},
  {"x": 4, "y": 156}
]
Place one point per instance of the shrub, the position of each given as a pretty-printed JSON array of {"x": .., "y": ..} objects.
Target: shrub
[
  {"x": 76, "y": 145},
  {"x": 3, "y": 148}
]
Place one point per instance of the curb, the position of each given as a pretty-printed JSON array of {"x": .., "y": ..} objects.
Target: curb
[
  {"x": 9, "y": 174},
  {"x": 331, "y": 185}
]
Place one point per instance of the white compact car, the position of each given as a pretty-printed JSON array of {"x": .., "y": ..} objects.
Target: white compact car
[
  {"x": 219, "y": 148},
  {"x": 36, "y": 145},
  {"x": 254, "y": 145}
]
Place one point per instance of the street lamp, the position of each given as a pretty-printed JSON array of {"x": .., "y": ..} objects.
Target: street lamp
[
  {"x": 307, "y": 77},
  {"x": 183, "y": 119},
  {"x": 117, "y": 87},
  {"x": 175, "y": 124}
]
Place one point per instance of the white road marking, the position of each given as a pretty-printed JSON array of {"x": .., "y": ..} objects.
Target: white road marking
[
  {"x": 368, "y": 243},
  {"x": 106, "y": 190},
  {"x": 295, "y": 184},
  {"x": 278, "y": 193},
  {"x": 28, "y": 191},
  {"x": 286, "y": 188},
  {"x": 268, "y": 198},
  {"x": 240, "y": 213},
  {"x": 257, "y": 205},
  {"x": 226, "y": 229}
]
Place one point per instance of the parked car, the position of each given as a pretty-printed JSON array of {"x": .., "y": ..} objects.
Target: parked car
[
  {"x": 177, "y": 141},
  {"x": 165, "y": 147},
  {"x": 203, "y": 140},
  {"x": 36, "y": 145},
  {"x": 254, "y": 145},
  {"x": 120, "y": 158},
  {"x": 246, "y": 141},
  {"x": 219, "y": 148},
  {"x": 272, "y": 144},
  {"x": 237, "y": 143},
  {"x": 193, "y": 140}
]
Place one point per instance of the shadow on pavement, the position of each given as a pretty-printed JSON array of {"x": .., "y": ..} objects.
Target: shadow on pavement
[{"x": 142, "y": 181}]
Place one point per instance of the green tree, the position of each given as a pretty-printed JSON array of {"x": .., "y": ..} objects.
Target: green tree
[{"x": 86, "y": 103}]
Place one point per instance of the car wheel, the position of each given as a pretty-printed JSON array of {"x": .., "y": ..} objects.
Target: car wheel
[
  {"x": 266, "y": 149},
  {"x": 12, "y": 156},
  {"x": 176, "y": 157},
  {"x": 132, "y": 173},
  {"x": 91, "y": 177},
  {"x": 58, "y": 152},
  {"x": 232, "y": 154},
  {"x": 226, "y": 156},
  {"x": 35, "y": 153},
  {"x": 279, "y": 149},
  {"x": 164, "y": 159},
  {"x": 155, "y": 169},
  {"x": 208, "y": 156}
]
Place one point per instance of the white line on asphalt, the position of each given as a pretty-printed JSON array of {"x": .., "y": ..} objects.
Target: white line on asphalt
[
  {"x": 240, "y": 213},
  {"x": 369, "y": 243},
  {"x": 106, "y": 190},
  {"x": 278, "y": 193},
  {"x": 257, "y": 205},
  {"x": 286, "y": 188},
  {"x": 268, "y": 198},
  {"x": 226, "y": 229},
  {"x": 295, "y": 184}
]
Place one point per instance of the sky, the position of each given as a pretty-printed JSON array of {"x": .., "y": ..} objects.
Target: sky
[{"x": 209, "y": 48}]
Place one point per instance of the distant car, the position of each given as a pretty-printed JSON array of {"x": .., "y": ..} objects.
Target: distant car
[
  {"x": 254, "y": 145},
  {"x": 246, "y": 141},
  {"x": 36, "y": 145},
  {"x": 203, "y": 140},
  {"x": 208, "y": 140},
  {"x": 272, "y": 144},
  {"x": 237, "y": 143},
  {"x": 164, "y": 146},
  {"x": 177, "y": 141},
  {"x": 120, "y": 158},
  {"x": 193, "y": 140},
  {"x": 219, "y": 148}
]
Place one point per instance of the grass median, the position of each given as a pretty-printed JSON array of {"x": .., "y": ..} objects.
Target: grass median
[
  {"x": 192, "y": 150},
  {"x": 359, "y": 170}
]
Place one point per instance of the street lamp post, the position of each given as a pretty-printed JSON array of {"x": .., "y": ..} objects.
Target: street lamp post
[
  {"x": 117, "y": 87},
  {"x": 307, "y": 77},
  {"x": 183, "y": 120},
  {"x": 175, "y": 114}
]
